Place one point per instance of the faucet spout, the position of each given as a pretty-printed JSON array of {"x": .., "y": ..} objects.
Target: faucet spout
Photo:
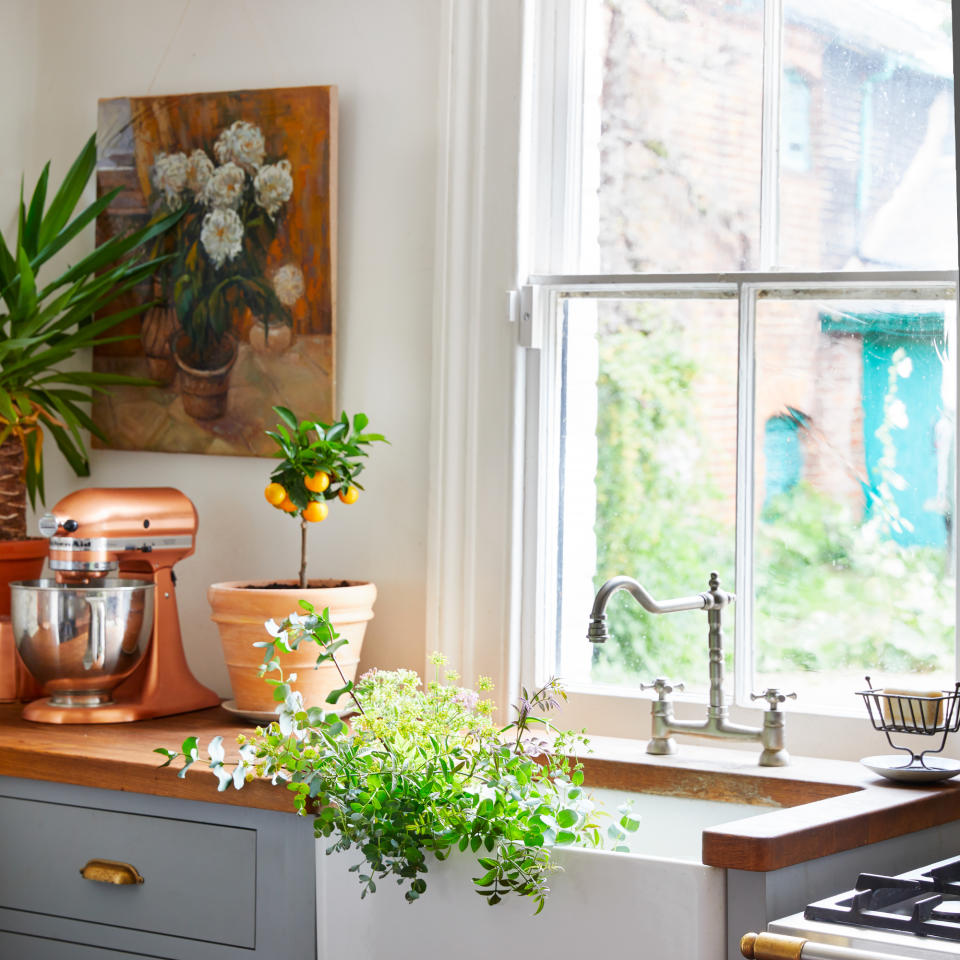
[{"x": 597, "y": 630}]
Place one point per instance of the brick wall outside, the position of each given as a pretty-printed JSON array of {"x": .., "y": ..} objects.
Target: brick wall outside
[{"x": 680, "y": 190}]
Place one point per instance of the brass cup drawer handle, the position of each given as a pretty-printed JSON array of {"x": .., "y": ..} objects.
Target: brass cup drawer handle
[{"x": 111, "y": 871}]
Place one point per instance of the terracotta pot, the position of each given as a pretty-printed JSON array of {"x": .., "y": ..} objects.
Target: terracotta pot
[
  {"x": 16, "y": 682},
  {"x": 272, "y": 337},
  {"x": 157, "y": 330},
  {"x": 240, "y": 609},
  {"x": 19, "y": 560},
  {"x": 204, "y": 392}
]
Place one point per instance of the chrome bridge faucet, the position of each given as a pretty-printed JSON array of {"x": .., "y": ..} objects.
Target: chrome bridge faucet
[{"x": 718, "y": 723}]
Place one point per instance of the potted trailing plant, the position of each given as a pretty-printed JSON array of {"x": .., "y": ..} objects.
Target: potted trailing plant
[
  {"x": 231, "y": 214},
  {"x": 419, "y": 773},
  {"x": 41, "y": 326},
  {"x": 319, "y": 464}
]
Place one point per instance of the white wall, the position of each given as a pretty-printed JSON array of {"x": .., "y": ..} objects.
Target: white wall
[{"x": 59, "y": 56}]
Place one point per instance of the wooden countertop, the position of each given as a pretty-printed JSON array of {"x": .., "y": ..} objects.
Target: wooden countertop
[
  {"x": 119, "y": 756},
  {"x": 807, "y": 810}
]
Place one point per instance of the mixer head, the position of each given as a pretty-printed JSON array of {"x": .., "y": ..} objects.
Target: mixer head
[{"x": 96, "y": 531}]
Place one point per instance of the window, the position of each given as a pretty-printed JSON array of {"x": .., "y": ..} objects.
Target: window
[
  {"x": 747, "y": 362},
  {"x": 795, "y": 122}
]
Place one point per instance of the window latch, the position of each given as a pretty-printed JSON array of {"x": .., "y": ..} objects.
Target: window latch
[{"x": 522, "y": 314}]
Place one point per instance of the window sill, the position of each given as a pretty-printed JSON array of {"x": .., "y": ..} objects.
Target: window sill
[{"x": 626, "y": 714}]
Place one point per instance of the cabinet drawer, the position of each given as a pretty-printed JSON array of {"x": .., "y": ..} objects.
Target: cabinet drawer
[
  {"x": 199, "y": 878},
  {"x": 38, "y": 948}
]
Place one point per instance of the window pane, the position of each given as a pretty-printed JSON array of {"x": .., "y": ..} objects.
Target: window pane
[
  {"x": 678, "y": 127},
  {"x": 866, "y": 136},
  {"x": 648, "y": 450},
  {"x": 855, "y": 463}
]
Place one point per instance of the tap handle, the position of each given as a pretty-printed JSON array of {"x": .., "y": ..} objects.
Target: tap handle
[
  {"x": 662, "y": 686},
  {"x": 773, "y": 696}
]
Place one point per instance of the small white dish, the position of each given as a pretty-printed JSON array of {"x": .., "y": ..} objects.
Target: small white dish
[{"x": 898, "y": 767}]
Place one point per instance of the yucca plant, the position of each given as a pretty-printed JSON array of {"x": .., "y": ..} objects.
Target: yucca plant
[{"x": 45, "y": 325}]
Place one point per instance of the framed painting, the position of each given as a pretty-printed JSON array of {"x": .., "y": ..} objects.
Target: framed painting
[{"x": 243, "y": 315}]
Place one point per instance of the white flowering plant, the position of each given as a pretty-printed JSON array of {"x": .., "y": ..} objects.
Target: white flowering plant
[
  {"x": 234, "y": 201},
  {"x": 420, "y": 769}
]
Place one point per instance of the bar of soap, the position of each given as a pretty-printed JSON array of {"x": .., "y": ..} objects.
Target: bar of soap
[{"x": 902, "y": 708}]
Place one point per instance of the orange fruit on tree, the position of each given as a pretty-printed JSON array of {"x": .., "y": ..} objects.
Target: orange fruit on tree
[
  {"x": 287, "y": 505},
  {"x": 315, "y": 511},
  {"x": 318, "y": 482},
  {"x": 349, "y": 495},
  {"x": 275, "y": 494}
]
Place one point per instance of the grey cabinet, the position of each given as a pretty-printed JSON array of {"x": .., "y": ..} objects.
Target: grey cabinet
[{"x": 218, "y": 881}]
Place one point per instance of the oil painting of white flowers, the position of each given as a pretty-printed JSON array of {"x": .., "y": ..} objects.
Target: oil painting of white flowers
[{"x": 242, "y": 317}]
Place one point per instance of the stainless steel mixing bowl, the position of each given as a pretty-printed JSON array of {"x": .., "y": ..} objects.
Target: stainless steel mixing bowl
[{"x": 80, "y": 642}]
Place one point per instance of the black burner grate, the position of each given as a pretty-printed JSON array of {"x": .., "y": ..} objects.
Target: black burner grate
[{"x": 925, "y": 902}]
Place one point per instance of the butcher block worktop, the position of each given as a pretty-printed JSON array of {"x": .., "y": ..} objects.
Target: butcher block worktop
[{"x": 810, "y": 809}]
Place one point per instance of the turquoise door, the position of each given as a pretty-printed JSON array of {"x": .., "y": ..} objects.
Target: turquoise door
[{"x": 901, "y": 407}]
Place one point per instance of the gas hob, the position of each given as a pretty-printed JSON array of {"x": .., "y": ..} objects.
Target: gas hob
[{"x": 914, "y": 914}]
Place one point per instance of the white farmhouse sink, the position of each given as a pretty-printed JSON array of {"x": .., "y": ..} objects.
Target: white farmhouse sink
[{"x": 657, "y": 901}]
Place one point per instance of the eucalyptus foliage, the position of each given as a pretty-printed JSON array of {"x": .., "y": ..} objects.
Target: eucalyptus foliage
[
  {"x": 44, "y": 325},
  {"x": 419, "y": 772}
]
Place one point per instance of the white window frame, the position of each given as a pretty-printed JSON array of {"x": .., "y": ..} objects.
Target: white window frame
[{"x": 555, "y": 32}]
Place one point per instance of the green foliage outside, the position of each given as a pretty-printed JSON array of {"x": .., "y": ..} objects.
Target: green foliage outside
[
  {"x": 655, "y": 521},
  {"x": 833, "y": 592}
]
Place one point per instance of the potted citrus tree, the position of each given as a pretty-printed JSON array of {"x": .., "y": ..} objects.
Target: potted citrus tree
[
  {"x": 319, "y": 466},
  {"x": 42, "y": 325}
]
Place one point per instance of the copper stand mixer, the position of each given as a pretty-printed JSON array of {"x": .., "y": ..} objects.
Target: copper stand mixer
[{"x": 103, "y": 638}]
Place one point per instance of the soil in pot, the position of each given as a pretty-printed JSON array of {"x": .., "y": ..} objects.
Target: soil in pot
[{"x": 240, "y": 609}]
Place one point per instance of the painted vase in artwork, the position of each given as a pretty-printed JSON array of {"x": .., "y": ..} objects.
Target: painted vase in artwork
[
  {"x": 157, "y": 331},
  {"x": 270, "y": 336},
  {"x": 205, "y": 380}
]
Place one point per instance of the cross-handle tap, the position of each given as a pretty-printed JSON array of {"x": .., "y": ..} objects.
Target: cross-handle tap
[
  {"x": 663, "y": 687},
  {"x": 774, "y": 697},
  {"x": 718, "y": 722}
]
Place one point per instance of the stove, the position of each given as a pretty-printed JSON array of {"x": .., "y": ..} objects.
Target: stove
[
  {"x": 914, "y": 914},
  {"x": 924, "y": 902}
]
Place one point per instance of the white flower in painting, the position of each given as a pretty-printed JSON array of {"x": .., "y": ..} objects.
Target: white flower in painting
[
  {"x": 199, "y": 169},
  {"x": 169, "y": 176},
  {"x": 288, "y": 284},
  {"x": 273, "y": 185},
  {"x": 225, "y": 186},
  {"x": 242, "y": 143},
  {"x": 221, "y": 235}
]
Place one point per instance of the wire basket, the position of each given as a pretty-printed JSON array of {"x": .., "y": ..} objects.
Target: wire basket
[{"x": 894, "y": 712}]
